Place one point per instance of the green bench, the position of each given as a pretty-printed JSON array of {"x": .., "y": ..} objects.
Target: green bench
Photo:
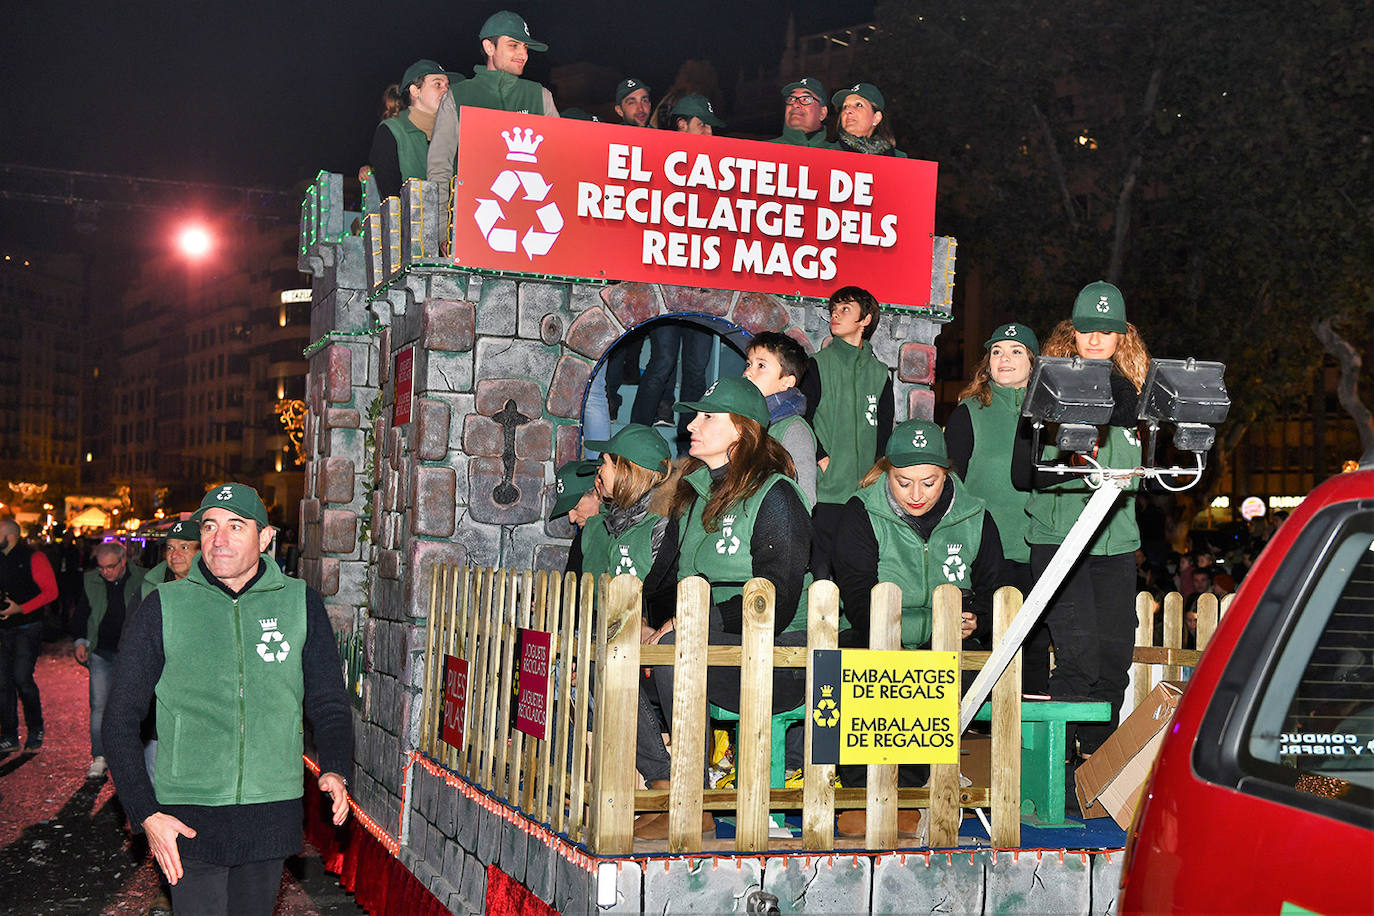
[{"x": 1043, "y": 727}]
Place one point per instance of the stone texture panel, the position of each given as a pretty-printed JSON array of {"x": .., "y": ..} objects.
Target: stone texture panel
[
  {"x": 800, "y": 337},
  {"x": 702, "y": 885},
  {"x": 431, "y": 429},
  {"x": 339, "y": 532},
  {"x": 592, "y": 333},
  {"x": 693, "y": 299},
  {"x": 504, "y": 358},
  {"x": 1037, "y": 881},
  {"x": 538, "y": 298},
  {"x": 329, "y": 576},
  {"x": 447, "y": 325},
  {"x": 917, "y": 364},
  {"x": 431, "y": 500},
  {"x": 534, "y": 440},
  {"x": 342, "y": 418},
  {"x": 518, "y": 500},
  {"x": 567, "y": 444},
  {"x": 482, "y": 436},
  {"x": 553, "y": 557},
  {"x": 496, "y": 308},
  {"x": 389, "y": 564},
  {"x": 632, "y": 303},
  {"x": 493, "y": 393},
  {"x": 920, "y": 404},
  {"x": 421, "y": 558},
  {"x": 932, "y": 883},
  {"x": 441, "y": 370},
  {"x": 758, "y": 312},
  {"x": 336, "y": 480},
  {"x": 819, "y": 885},
  {"x": 339, "y": 388},
  {"x": 569, "y": 385}
]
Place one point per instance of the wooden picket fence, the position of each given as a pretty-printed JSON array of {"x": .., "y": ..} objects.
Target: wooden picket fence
[
  {"x": 581, "y": 780},
  {"x": 1153, "y": 663}
]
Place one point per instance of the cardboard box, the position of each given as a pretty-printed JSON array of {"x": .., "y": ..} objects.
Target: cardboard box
[{"x": 1109, "y": 782}]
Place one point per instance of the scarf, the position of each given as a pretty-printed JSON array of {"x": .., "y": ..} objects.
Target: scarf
[
  {"x": 785, "y": 403},
  {"x": 873, "y": 146},
  {"x": 423, "y": 121}
]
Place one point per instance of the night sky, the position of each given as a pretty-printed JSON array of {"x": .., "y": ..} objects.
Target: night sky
[{"x": 265, "y": 94}]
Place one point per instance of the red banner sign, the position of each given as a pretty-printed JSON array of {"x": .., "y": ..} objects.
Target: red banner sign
[
  {"x": 588, "y": 199},
  {"x": 405, "y": 386},
  {"x": 532, "y": 703},
  {"x": 455, "y": 701}
]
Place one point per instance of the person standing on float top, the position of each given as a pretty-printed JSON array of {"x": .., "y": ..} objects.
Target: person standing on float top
[
  {"x": 803, "y": 114},
  {"x": 981, "y": 434},
  {"x": 507, "y": 44},
  {"x": 400, "y": 145}
]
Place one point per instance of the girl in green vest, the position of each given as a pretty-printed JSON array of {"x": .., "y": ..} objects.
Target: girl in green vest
[
  {"x": 1092, "y": 618},
  {"x": 740, "y": 515},
  {"x": 401, "y": 143},
  {"x": 980, "y": 435},
  {"x": 914, "y": 524}
]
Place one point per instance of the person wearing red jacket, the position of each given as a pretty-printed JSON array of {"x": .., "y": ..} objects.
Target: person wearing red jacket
[{"x": 27, "y": 585}]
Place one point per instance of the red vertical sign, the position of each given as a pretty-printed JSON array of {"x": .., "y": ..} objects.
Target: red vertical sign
[
  {"x": 455, "y": 700},
  {"x": 531, "y": 709},
  {"x": 405, "y": 386}
]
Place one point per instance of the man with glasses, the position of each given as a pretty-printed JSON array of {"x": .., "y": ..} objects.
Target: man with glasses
[
  {"x": 803, "y": 114},
  {"x": 109, "y": 592}
]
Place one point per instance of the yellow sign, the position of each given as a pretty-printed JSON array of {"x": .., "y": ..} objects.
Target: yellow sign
[{"x": 890, "y": 706}]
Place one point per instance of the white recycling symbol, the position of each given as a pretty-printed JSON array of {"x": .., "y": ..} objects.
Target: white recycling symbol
[
  {"x": 954, "y": 568},
  {"x": 1102, "y": 305},
  {"x": 871, "y": 414},
  {"x": 265, "y": 647},
  {"x": 226, "y": 493},
  {"x": 522, "y": 146},
  {"x": 729, "y": 541},
  {"x": 558, "y": 485},
  {"x": 919, "y": 440},
  {"x": 707, "y": 393},
  {"x": 1131, "y": 436},
  {"x": 627, "y": 565},
  {"x": 1010, "y": 331}
]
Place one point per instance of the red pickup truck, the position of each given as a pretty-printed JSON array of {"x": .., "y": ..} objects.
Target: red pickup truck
[{"x": 1262, "y": 798}]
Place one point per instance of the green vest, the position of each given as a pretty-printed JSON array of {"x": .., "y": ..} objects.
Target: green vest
[
  {"x": 630, "y": 554},
  {"x": 916, "y": 566},
  {"x": 411, "y": 145},
  {"x": 1053, "y": 511},
  {"x": 229, "y": 698},
  {"x": 96, "y": 597},
  {"x": 846, "y": 419},
  {"x": 155, "y": 577},
  {"x": 499, "y": 90},
  {"x": 989, "y": 467},
  {"x": 794, "y": 137},
  {"x": 723, "y": 556}
]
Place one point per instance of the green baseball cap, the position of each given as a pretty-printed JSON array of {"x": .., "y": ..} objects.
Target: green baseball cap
[
  {"x": 570, "y": 483},
  {"x": 808, "y": 83},
  {"x": 238, "y": 498},
  {"x": 1015, "y": 332},
  {"x": 577, "y": 114},
  {"x": 1100, "y": 307},
  {"x": 697, "y": 105},
  {"x": 917, "y": 442},
  {"x": 732, "y": 394},
  {"x": 423, "y": 68},
  {"x": 184, "y": 530},
  {"x": 510, "y": 25},
  {"x": 626, "y": 86},
  {"x": 867, "y": 90},
  {"x": 640, "y": 444}
]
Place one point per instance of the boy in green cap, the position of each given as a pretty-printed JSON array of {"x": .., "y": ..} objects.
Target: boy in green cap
[
  {"x": 850, "y": 405},
  {"x": 507, "y": 43}
]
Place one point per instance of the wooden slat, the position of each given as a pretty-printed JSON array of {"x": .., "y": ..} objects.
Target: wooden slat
[
  {"x": 547, "y": 619},
  {"x": 505, "y": 686},
  {"x": 1006, "y": 731},
  {"x": 594, "y": 737},
  {"x": 515, "y": 762},
  {"x": 562, "y": 707},
  {"x": 885, "y": 632},
  {"x": 434, "y": 661},
  {"x": 1207, "y": 616},
  {"x": 944, "y": 777},
  {"x": 1160, "y": 655},
  {"x": 457, "y": 642},
  {"x": 491, "y": 724},
  {"x": 1173, "y": 631},
  {"x": 577, "y": 817},
  {"x": 617, "y": 710},
  {"x": 755, "y": 727},
  {"x": 688, "y": 761},
  {"x": 783, "y": 656},
  {"x": 1144, "y": 636},
  {"x": 1225, "y": 605},
  {"x": 792, "y": 799},
  {"x": 477, "y": 698},
  {"x": 822, "y": 632}
]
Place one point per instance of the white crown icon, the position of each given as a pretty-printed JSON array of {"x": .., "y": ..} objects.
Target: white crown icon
[
  {"x": 269, "y": 623},
  {"x": 522, "y": 146}
]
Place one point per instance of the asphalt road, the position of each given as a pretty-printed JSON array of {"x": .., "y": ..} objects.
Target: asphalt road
[{"x": 65, "y": 846}]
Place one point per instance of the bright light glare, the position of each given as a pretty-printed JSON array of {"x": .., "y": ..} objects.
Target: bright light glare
[{"x": 194, "y": 241}]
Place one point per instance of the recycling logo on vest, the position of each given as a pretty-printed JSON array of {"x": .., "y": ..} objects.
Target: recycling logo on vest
[
  {"x": 627, "y": 565},
  {"x": 871, "y": 414},
  {"x": 521, "y": 146},
  {"x": 1131, "y": 436},
  {"x": 729, "y": 541},
  {"x": 954, "y": 567},
  {"x": 273, "y": 647}
]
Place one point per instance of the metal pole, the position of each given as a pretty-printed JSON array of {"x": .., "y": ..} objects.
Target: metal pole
[{"x": 1064, "y": 558}]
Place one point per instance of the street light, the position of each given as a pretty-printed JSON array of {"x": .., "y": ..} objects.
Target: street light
[{"x": 194, "y": 241}]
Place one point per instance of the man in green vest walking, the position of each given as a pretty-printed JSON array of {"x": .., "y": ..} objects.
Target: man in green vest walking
[
  {"x": 108, "y": 593},
  {"x": 507, "y": 44},
  {"x": 236, "y": 655}
]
